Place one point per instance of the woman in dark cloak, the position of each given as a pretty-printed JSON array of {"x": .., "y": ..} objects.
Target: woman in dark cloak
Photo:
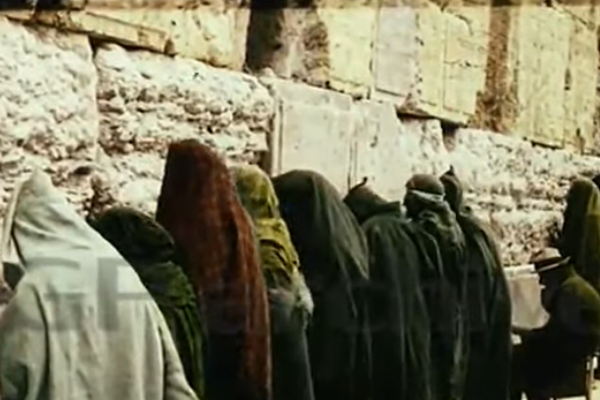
[
  {"x": 580, "y": 236},
  {"x": 400, "y": 327},
  {"x": 289, "y": 299},
  {"x": 198, "y": 206},
  {"x": 488, "y": 302},
  {"x": 149, "y": 249},
  {"x": 334, "y": 259},
  {"x": 438, "y": 235}
]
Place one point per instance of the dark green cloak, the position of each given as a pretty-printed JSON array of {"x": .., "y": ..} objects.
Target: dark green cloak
[
  {"x": 290, "y": 301},
  {"x": 550, "y": 354},
  {"x": 580, "y": 237},
  {"x": 334, "y": 259},
  {"x": 150, "y": 251},
  {"x": 488, "y": 303},
  {"x": 437, "y": 234},
  {"x": 400, "y": 327}
]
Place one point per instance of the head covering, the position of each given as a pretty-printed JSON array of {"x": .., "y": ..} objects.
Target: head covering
[
  {"x": 429, "y": 212},
  {"x": 596, "y": 180},
  {"x": 287, "y": 290},
  {"x": 580, "y": 236},
  {"x": 364, "y": 202},
  {"x": 199, "y": 207},
  {"x": 398, "y": 314},
  {"x": 453, "y": 191},
  {"x": 548, "y": 259},
  {"x": 423, "y": 192},
  {"x": 334, "y": 258},
  {"x": 488, "y": 302},
  {"x": 88, "y": 307},
  {"x": 280, "y": 261},
  {"x": 150, "y": 250}
]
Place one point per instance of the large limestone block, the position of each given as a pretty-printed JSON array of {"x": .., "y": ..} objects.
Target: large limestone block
[
  {"x": 147, "y": 100},
  {"x": 525, "y": 89},
  {"x": 48, "y": 112},
  {"x": 213, "y": 33},
  {"x": 580, "y": 96},
  {"x": 389, "y": 151},
  {"x": 326, "y": 45},
  {"x": 430, "y": 62},
  {"x": 314, "y": 130}
]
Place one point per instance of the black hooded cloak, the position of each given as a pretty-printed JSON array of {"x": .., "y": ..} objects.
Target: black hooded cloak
[
  {"x": 400, "y": 327},
  {"x": 334, "y": 259},
  {"x": 488, "y": 306},
  {"x": 436, "y": 232},
  {"x": 580, "y": 236}
]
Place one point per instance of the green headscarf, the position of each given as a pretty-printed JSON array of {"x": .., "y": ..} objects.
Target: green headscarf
[
  {"x": 580, "y": 238},
  {"x": 150, "y": 250},
  {"x": 279, "y": 258}
]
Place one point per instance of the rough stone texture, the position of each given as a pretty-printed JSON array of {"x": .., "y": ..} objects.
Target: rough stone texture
[
  {"x": 430, "y": 61},
  {"x": 580, "y": 90},
  {"x": 104, "y": 27},
  {"x": 213, "y": 32},
  {"x": 326, "y": 45},
  {"x": 48, "y": 113},
  {"x": 540, "y": 77},
  {"x": 147, "y": 100}
]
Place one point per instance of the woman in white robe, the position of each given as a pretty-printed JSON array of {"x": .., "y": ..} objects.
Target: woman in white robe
[{"x": 80, "y": 324}]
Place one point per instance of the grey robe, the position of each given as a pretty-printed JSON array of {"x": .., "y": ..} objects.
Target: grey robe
[{"x": 80, "y": 326}]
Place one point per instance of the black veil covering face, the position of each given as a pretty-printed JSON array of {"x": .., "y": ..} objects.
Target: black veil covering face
[
  {"x": 400, "y": 325},
  {"x": 334, "y": 259},
  {"x": 488, "y": 303}
]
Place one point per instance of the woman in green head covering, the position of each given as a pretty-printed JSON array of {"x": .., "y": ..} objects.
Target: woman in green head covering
[
  {"x": 150, "y": 251},
  {"x": 289, "y": 299},
  {"x": 580, "y": 237}
]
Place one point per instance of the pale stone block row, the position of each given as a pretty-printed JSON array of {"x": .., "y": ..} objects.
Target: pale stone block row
[{"x": 544, "y": 79}]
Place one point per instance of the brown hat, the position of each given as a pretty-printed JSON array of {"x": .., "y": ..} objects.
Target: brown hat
[{"x": 548, "y": 259}]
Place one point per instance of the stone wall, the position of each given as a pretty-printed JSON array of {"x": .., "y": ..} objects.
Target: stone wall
[{"x": 99, "y": 118}]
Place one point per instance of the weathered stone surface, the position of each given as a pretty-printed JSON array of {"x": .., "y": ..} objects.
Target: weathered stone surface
[
  {"x": 580, "y": 89},
  {"x": 147, "y": 100},
  {"x": 389, "y": 151},
  {"x": 314, "y": 130},
  {"x": 48, "y": 112},
  {"x": 540, "y": 78},
  {"x": 215, "y": 33},
  {"x": 105, "y": 27},
  {"x": 326, "y": 45},
  {"x": 517, "y": 186},
  {"x": 431, "y": 62}
]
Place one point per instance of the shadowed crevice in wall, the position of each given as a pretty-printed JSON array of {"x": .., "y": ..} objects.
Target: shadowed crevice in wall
[{"x": 288, "y": 37}]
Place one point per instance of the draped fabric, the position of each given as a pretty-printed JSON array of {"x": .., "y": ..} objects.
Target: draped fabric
[
  {"x": 199, "y": 207},
  {"x": 400, "y": 325},
  {"x": 150, "y": 250},
  {"x": 437, "y": 234},
  {"x": 289, "y": 298},
  {"x": 80, "y": 325},
  {"x": 580, "y": 236},
  {"x": 550, "y": 354},
  {"x": 488, "y": 304},
  {"x": 334, "y": 259}
]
